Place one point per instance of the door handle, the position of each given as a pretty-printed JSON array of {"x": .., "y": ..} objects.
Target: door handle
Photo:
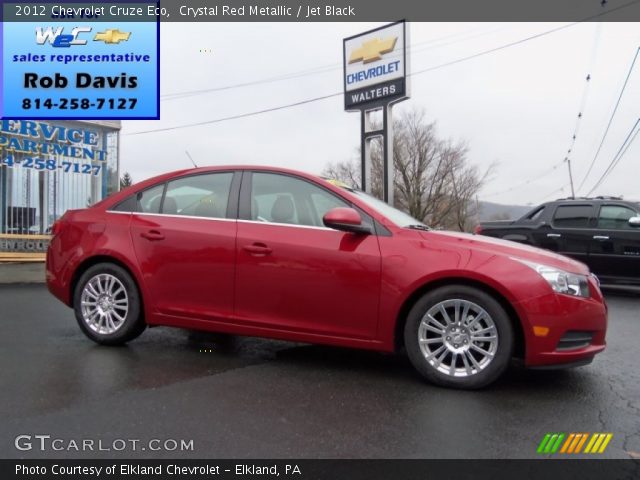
[
  {"x": 600, "y": 237},
  {"x": 257, "y": 249},
  {"x": 152, "y": 235},
  {"x": 553, "y": 235}
]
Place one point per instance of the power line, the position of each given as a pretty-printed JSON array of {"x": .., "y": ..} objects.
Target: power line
[
  {"x": 582, "y": 105},
  {"x": 526, "y": 182},
  {"x": 576, "y": 128},
  {"x": 567, "y": 158},
  {"x": 606, "y": 131},
  {"x": 619, "y": 154},
  {"x": 557, "y": 190},
  {"x": 321, "y": 69},
  {"x": 496, "y": 49},
  {"x": 585, "y": 92},
  {"x": 278, "y": 78},
  {"x": 324, "y": 97},
  {"x": 446, "y": 64},
  {"x": 242, "y": 115}
]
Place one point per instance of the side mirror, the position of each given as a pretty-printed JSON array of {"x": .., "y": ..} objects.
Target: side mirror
[
  {"x": 634, "y": 221},
  {"x": 345, "y": 219}
]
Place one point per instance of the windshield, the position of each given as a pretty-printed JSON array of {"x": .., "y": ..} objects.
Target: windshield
[{"x": 398, "y": 217}]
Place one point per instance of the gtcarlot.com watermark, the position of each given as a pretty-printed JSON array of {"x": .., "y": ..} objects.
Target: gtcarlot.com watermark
[{"x": 47, "y": 443}]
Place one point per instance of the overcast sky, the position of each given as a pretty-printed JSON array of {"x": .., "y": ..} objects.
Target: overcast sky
[{"x": 516, "y": 108}]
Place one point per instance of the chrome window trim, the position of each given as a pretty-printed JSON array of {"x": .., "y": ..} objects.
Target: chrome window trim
[
  {"x": 312, "y": 227},
  {"x": 169, "y": 215},
  {"x": 257, "y": 222}
]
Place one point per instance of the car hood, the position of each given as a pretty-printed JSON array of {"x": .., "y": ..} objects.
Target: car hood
[{"x": 508, "y": 248}]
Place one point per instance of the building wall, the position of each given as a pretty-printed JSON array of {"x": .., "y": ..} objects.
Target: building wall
[{"x": 49, "y": 167}]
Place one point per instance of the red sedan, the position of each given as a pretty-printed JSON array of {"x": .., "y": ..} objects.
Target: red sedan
[{"x": 276, "y": 253}]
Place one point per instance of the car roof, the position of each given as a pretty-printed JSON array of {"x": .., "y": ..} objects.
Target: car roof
[{"x": 593, "y": 200}]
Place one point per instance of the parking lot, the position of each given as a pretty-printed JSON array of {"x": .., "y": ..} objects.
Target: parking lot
[{"x": 253, "y": 398}]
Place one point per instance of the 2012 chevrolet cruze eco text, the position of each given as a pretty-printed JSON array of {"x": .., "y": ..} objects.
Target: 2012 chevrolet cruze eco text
[{"x": 276, "y": 253}]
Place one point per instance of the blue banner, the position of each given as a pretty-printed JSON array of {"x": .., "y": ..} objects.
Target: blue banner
[{"x": 80, "y": 70}]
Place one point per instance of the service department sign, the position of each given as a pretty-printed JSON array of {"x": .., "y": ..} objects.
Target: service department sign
[{"x": 375, "y": 66}]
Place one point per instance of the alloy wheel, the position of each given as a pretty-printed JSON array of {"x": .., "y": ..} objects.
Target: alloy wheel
[
  {"x": 104, "y": 304},
  {"x": 458, "y": 337}
]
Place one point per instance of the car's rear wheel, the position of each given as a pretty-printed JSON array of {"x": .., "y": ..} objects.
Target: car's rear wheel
[
  {"x": 459, "y": 336},
  {"x": 107, "y": 305}
]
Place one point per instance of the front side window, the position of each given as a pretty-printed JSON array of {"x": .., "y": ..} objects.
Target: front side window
[
  {"x": 285, "y": 199},
  {"x": 572, "y": 216},
  {"x": 198, "y": 196},
  {"x": 615, "y": 217}
]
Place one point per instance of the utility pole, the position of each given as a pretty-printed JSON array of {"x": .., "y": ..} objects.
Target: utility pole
[{"x": 573, "y": 193}]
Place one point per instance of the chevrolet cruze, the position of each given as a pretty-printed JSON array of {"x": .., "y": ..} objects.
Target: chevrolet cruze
[{"x": 276, "y": 253}]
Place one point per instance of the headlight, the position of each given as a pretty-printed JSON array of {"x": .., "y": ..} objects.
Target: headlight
[{"x": 561, "y": 281}]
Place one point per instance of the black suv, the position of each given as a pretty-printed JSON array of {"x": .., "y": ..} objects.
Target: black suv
[{"x": 603, "y": 232}]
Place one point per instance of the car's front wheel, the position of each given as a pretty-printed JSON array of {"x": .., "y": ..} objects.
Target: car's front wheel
[
  {"x": 459, "y": 336},
  {"x": 107, "y": 305}
]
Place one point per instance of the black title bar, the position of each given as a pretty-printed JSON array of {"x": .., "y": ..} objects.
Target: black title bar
[
  {"x": 325, "y": 10},
  {"x": 583, "y": 469}
]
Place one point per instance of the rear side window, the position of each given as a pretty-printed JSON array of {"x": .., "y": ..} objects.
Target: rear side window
[
  {"x": 128, "y": 205},
  {"x": 535, "y": 214},
  {"x": 572, "y": 216},
  {"x": 615, "y": 217},
  {"x": 150, "y": 200},
  {"x": 198, "y": 196}
]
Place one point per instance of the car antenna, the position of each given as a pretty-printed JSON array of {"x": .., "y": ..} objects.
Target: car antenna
[{"x": 190, "y": 158}]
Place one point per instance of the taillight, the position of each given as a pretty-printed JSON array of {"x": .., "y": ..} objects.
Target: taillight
[{"x": 478, "y": 229}]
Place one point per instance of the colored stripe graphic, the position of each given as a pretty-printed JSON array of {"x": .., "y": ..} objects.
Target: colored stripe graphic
[
  {"x": 594, "y": 437},
  {"x": 572, "y": 443},
  {"x": 605, "y": 443},
  {"x": 598, "y": 443},
  {"x": 550, "y": 443},
  {"x": 567, "y": 443},
  {"x": 581, "y": 443},
  {"x": 543, "y": 443},
  {"x": 556, "y": 445}
]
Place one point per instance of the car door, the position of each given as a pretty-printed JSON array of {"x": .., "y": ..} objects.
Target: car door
[
  {"x": 570, "y": 230},
  {"x": 615, "y": 245},
  {"x": 184, "y": 234},
  {"x": 295, "y": 274}
]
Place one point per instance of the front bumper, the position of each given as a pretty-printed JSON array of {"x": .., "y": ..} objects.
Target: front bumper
[{"x": 550, "y": 319}]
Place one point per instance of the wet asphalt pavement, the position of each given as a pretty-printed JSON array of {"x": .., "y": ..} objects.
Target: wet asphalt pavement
[{"x": 252, "y": 398}]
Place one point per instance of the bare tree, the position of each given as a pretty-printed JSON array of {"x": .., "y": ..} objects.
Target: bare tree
[
  {"x": 347, "y": 172},
  {"x": 434, "y": 181}
]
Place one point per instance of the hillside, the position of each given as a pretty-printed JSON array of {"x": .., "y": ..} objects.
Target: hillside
[{"x": 496, "y": 211}]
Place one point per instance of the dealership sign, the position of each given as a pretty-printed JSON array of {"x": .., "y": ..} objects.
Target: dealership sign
[
  {"x": 31, "y": 144},
  {"x": 86, "y": 65},
  {"x": 375, "y": 66}
]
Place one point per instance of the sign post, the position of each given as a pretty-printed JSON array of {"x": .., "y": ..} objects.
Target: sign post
[{"x": 375, "y": 78}]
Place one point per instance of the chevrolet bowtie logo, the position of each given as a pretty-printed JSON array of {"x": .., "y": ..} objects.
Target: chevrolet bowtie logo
[
  {"x": 372, "y": 50},
  {"x": 113, "y": 35}
]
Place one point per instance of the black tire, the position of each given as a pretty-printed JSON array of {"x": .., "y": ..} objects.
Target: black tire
[
  {"x": 478, "y": 377},
  {"x": 132, "y": 325}
]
